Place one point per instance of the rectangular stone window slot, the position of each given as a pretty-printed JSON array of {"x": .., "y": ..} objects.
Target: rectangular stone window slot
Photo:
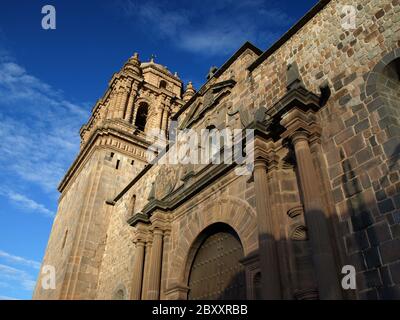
[{"x": 117, "y": 165}]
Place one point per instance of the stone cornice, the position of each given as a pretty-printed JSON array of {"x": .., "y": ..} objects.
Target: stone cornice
[
  {"x": 137, "y": 218},
  {"x": 298, "y": 97},
  {"x": 181, "y": 195},
  {"x": 162, "y": 71},
  {"x": 107, "y": 130},
  {"x": 190, "y": 122},
  {"x": 101, "y": 102}
]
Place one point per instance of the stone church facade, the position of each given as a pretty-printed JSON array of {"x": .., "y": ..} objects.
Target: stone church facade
[{"x": 324, "y": 193}]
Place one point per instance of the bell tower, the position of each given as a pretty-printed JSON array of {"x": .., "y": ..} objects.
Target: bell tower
[{"x": 140, "y": 97}]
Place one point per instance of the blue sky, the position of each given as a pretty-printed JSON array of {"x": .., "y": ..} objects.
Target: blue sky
[{"x": 50, "y": 79}]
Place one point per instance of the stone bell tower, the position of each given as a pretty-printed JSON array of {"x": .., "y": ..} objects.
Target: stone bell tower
[{"x": 139, "y": 98}]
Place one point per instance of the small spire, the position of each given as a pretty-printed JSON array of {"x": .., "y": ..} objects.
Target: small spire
[
  {"x": 190, "y": 86},
  {"x": 133, "y": 64},
  {"x": 190, "y": 92},
  {"x": 152, "y": 57}
]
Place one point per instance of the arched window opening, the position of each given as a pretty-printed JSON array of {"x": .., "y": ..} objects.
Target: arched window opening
[
  {"x": 163, "y": 84},
  {"x": 141, "y": 116}
]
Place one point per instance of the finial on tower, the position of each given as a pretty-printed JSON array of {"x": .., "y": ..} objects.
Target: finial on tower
[
  {"x": 189, "y": 93},
  {"x": 133, "y": 64}
]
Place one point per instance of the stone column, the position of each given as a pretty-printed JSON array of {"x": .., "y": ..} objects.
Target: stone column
[
  {"x": 165, "y": 116},
  {"x": 153, "y": 292},
  {"x": 147, "y": 261},
  {"x": 132, "y": 97},
  {"x": 137, "y": 279},
  {"x": 160, "y": 111},
  {"x": 316, "y": 220},
  {"x": 270, "y": 279},
  {"x": 165, "y": 262}
]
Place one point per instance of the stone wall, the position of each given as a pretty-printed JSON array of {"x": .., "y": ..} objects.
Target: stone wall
[
  {"x": 362, "y": 181},
  {"x": 355, "y": 156}
]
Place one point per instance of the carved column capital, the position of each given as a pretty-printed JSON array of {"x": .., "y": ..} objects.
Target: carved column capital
[
  {"x": 300, "y": 125},
  {"x": 159, "y": 222},
  {"x": 140, "y": 233},
  {"x": 269, "y": 161},
  {"x": 260, "y": 163},
  {"x": 300, "y": 135}
]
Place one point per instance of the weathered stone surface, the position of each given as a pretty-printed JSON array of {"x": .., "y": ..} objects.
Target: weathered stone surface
[{"x": 349, "y": 159}]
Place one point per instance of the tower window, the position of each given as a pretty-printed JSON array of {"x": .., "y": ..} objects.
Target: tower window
[
  {"x": 117, "y": 165},
  {"x": 141, "y": 116},
  {"x": 163, "y": 84}
]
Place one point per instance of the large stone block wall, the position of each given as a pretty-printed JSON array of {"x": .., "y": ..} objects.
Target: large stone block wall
[
  {"x": 78, "y": 235},
  {"x": 356, "y": 159},
  {"x": 363, "y": 183},
  {"x": 360, "y": 191},
  {"x": 64, "y": 231}
]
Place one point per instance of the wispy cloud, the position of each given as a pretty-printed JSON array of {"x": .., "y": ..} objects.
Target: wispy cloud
[
  {"x": 17, "y": 273},
  {"x": 7, "y": 298},
  {"x": 26, "y": 203},
  {"x": 209, "y": 27},
  {"x": 16, "y": 277},
  {"x": 38, "y": 131},
  {"x": 19, "y": 260}
]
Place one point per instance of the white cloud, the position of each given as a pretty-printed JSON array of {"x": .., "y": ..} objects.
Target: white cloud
[
  {"x": 26, "y": 203},
  {"x": 209, "y": 27},
  {"x": 19, "y": 260},
  {"x": 19, "y": 277},
  {"x": 39, "y": 131}
]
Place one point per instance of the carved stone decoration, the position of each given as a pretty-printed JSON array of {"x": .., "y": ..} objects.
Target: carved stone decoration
[
  {"x": 261, "y": 114},
  {"x": 208, "y": 99},
  {"x": 232, "y": 111},
  {"x": 187, "y": 172},
  {"x": 213, "y": 69},
  {"x": 245, "y": 117},
  {"x": 166, "y": 180},
  {"x": 294, "y": 80},
  {"x": 297, "y": 229}
]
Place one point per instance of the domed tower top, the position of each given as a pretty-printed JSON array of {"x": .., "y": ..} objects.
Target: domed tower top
[
  {"x": 159, "y": 76},
  {"x": 133, "y": 65},
  {"x": 189, "y": 93}
]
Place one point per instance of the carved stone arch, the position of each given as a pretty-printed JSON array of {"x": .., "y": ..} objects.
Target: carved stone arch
[
  {"x": 234, "y": 212},
  {"x": 374, "y": 75},
  {"x": 214, "y": 270},
  {"x": 383, "y": 87}
]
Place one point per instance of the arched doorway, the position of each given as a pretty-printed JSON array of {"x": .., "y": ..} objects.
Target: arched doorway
[{"x": 216, "y": 272}]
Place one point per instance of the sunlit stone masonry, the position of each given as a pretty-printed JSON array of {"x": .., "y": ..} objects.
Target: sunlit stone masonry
[{"x": 320, "y": 209}]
